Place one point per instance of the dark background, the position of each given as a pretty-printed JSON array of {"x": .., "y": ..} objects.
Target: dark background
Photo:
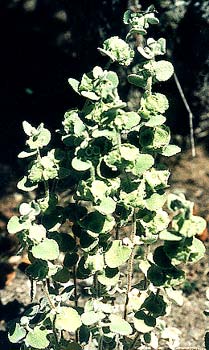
[{"x": 44, "y": 42}]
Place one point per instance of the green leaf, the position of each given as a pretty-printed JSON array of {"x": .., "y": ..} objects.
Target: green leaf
[
  {"x": 25, "y": 185},
  {"x": 95, "y": 262},
  {"x": 163, "y": 70},
  {"x": 126, "y": 16},
  {"x": 119, "y": 325},
  {"x": 155, "y": 120},
  {"x": 170, "y": 150},
  {"x": 79, "y": 165},
  {"x": 207, "y": 340},
  {"x": 112, "y": 76},
  {"x": 161, "y": 259},
  {"x": 106, "y": 206},
  {"x": 62, "y": 275},
  {"x": 117, "y": 254},
  {"x": 15, "y": 225},
  {"x": 170, "y": 236},
  {"x": 156, "y": 201},
  {"x": 109, "y": 277},
  {"x": 137, "y": 80},
  {"x": 156, "y": 275},
  {"x": 40, "y": 138},
  {"x": 16, "y": 333},
  {"x": 46, "y": 250},
  {"x": 70, "y": 260},
  {"x": 90, "y": 95},
  {"x": 28, "y": 128},
  {"x": 26, "y": 154},
  {"x": 74, "y": 84},
  {"x": 97, "y": 223},
  {"x": 64, "y": 240},
  {"x": 197, "y": 250},
  {"x": 129, "y": 152},
  {"x": 155, "y": 305},
  {"x": 141, "y": 326},
  {"x": 133, "y": 119},
  {"x": 38, "y": 270},
  {"x": 143, "y": 163},
  {"x": 91, "y": 317},
  {"x": 37, "y": 338},
  {"x": 67, "y": 319}
]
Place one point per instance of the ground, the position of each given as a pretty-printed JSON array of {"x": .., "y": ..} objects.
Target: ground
[{"x": 190, "y": 176}]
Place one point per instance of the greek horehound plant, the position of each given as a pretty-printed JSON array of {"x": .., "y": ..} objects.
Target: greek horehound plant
[{"x": 105, "y": 281}]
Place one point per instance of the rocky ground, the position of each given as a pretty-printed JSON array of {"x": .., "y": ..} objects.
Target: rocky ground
[{"x": 191, "y": 176}]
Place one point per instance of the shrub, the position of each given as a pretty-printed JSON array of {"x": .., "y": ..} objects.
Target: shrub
[{"x": 108, "y": 258}]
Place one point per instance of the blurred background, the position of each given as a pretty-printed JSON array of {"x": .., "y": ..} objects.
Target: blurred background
[{"x": 44, "y": 42}]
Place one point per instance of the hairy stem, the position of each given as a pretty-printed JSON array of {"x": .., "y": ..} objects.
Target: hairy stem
[
  {"x": 130, "y": 264},
  {"x": 46, "y": 292},
  {"x": 190, "y": 114},
  {"x": 133, "y": 344}
]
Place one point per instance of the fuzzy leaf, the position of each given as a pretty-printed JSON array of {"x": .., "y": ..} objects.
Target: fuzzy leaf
[
  {"x": 91, "y": 317},
  {"x": 107, "y": 206},
  {"x": 119, "y": 325},
  {"x": 109, "y": 277},
  {"x": 38, "y": 270},
  {"x": 117, "y": 254},
  {"x": 26, "y": 154},
  {"x": 143, "y": 163},
  {"x": 37, "y": 338},
  {"x": 16, "y": 333},
  {"x": 170, "y": 236},
  {"x": 137, "y": 80},
  {"x": 79, "y": 165},
  {"x": 67, "y": 319},
  {"x": 74, "y": 84},
  {"x": 156, "y": 201},
  {"x": 170, "y": 150},
  {"x": 25, "y": 185},
  {"x": 46, "y": 250},
  {"x": 163, "y": 70},
  {"x": 28, "y": 128},
  {"x": 141, "y": 326},
  {"x": 15, "y": 225}
]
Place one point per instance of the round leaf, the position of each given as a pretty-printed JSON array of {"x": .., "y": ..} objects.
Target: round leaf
[
  {"x": 163, "y": 70},
  {"x": 117, "y": 254},
  {"x": 67, "y": 319},
  {"x": 119, "y": 325},
  {"x": 46, "y": 250},
  {"x": 37, "y": 338},
  {"x": 79, "y": 165},
  {"x": 91, "y": 317}
]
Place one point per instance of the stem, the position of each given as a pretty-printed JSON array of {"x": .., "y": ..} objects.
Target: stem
[
  {"x": 117, "y": 228},
  {"x": 57, "y": 347},
  {"x": 46, "y": 292},
  {"x": 149, "y": 86},
  {"x": 190, "y": 114},
  {"x": 89, "y": 342},
  {"x": 53, "y": 307},
  {"x": 100, "y": 345},
  {"x": 75, "y": 295},
  {"x": 75, "y": 286},
  {"x": 134, "y": 341},
  {"x": 130, "y": 264}
]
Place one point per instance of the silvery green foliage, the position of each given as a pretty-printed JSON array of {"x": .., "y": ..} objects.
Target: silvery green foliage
[{"x": 110, "y": 157}]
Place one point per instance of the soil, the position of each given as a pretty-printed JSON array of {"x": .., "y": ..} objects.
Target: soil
[{"x": 190, "y": 176}]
